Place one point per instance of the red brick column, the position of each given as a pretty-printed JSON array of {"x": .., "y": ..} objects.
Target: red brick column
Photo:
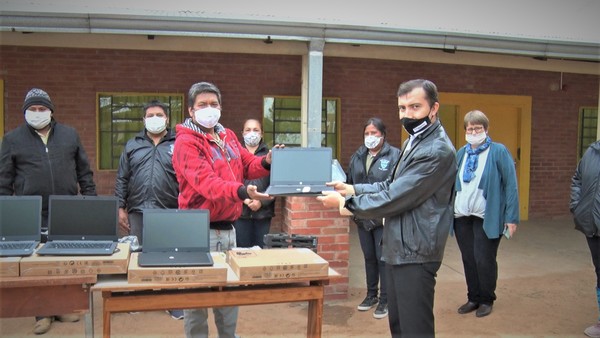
[{"x": 307, "y": 216}]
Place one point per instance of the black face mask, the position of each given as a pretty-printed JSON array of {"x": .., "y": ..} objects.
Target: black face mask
[{"x": 413, "y": 126}]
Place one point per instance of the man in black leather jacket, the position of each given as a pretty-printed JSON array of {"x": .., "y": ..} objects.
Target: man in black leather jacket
[{"x": 418, "y": 209}]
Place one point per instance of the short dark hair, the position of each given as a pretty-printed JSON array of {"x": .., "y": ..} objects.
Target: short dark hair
[
  {"x": 156, "y": 103},
  {"x": 428, "y": 86},
  {"x": 202, "y": 87},
  {"x": 378, "y": 123},
  {"x": 476, "y": 117}
]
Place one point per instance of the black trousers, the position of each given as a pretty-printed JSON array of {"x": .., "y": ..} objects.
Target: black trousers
[
  {"x": 594, "y": 244},
  {"x": 411, "y": 290},
  {"x": 370, "y": 243},
  {"x": 479, "y": 259}
]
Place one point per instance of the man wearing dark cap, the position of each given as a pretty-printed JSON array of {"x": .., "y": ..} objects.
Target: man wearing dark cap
[{"x": 44, "y": 157}]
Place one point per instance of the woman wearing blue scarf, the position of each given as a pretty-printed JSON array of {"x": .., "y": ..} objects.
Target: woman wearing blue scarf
[{"x": 486, "y": 207}]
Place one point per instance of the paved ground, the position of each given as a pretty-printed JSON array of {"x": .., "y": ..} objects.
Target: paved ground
[{"x": 546, "y": 288}]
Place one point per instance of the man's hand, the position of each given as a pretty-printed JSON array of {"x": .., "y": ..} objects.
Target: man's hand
[
  {"x": 342, "y": 188},
  {"x": 331, "y": 199},
  {"x": 255, "y": 195},
  {"x": 253, "y": 204},
  {"x": 123, "y": 221},
  {"x": 279, "y": 146}
]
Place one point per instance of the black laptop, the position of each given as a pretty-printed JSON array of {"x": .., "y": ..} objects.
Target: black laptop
[
  {"x": 175, "y": 238},
  {"x": 300, "y": 171},
  {"x": 20, "y": 224},
  {"x": 81, "y": 225}
]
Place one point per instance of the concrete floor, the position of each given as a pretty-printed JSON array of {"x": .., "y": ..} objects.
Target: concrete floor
[{"x": 546, "y": 288}]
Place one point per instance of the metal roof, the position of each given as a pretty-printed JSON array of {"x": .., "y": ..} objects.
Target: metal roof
[{"x": 561, "y": 29}]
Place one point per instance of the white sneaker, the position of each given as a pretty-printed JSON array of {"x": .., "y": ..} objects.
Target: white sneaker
[{"x": 593, "y": 331}]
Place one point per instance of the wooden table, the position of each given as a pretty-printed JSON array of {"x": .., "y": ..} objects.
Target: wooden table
[
  {"x": 120, "y": 296},
  {"x": 47, "y": 296}
]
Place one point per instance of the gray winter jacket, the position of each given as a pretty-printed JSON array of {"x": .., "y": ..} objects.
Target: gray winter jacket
[
  {"x": 417, "y": 203},
  {"x": 585, "y": 192}
]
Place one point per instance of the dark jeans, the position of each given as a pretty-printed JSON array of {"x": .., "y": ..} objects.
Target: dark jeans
[
  {"x": 251, "y": 232},
  {"x": 370, "y": 243},
  {"x": 479, "y": 259},
  {"x": 594, "y": 244},
  {"x": 411, "y": 290}
]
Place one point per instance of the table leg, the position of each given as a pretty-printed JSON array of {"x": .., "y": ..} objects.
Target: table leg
[
  {"x": 105, "y": 315},
  {"x": 315, "y": 316},
  {"x": 89, "y": 317}
]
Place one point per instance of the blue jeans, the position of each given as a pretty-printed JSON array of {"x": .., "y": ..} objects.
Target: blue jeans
[
  {"x": 370, "y": 243},
  {"x": 479, "y": 259},
  {"x": 195, "y": 321},
  {"x": 251, "y": 231}
]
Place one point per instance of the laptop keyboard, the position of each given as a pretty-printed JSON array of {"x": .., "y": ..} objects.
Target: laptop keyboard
[
  {"x": 14, "y": 246},
  {"x": 79, "y": 245}
]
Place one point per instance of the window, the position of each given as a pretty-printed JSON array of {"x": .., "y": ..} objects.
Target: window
[
  {"x": 282, "y": 122},
  {"x": 588, "y": 124},
  {"x": 120, "y": 117}
]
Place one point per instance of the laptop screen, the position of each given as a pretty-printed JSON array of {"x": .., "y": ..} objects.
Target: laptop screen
[
  {"x": 20, "y": 218},
  {"x": 83, "y": 217},
  {"x": 300, "y": 166},
  {"x": 170, "y": 229}
]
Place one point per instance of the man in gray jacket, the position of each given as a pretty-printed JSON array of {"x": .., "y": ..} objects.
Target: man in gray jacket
[{"x": 416, "y": 203}]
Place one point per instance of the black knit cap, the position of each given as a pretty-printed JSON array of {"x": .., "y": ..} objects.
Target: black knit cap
[{"x": 37, "y": 96}]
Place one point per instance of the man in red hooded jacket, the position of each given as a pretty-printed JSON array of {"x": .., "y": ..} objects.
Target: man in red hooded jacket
[{"x": 211, "y": 164}]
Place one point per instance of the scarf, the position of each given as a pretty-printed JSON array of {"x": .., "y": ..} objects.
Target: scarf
[{"x": 473, "y": 158}]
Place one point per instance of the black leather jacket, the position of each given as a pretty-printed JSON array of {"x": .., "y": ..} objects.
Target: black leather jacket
[
  {"x": 28, "y": 167},
  {"x": 585, "y": 192},
  {"x": 146, "y": 178},
  {"x": 381, "y": 169},
  {"x": 267, "y": 210},
  {"x": 417, "y": 203}
]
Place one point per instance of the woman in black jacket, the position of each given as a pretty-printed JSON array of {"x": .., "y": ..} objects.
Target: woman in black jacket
[
  {"x": 374, "y": 161},
  {"x": 255, "y": 221}
]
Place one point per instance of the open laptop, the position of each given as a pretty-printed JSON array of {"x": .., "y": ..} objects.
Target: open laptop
[
  {"x": 20, "y": 224},
  {"x": 300, "y": 171},
  {"x": 175, "y": 238},
  {"x": 81, "y": 225}
]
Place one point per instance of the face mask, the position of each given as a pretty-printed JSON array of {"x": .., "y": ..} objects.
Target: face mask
[
  {"x": 372, "y": 141},
  {"x": 155, "y": 124},
  {"x": 38, "y": 120},
  {"x": 476, "y": 139},
  {"x": 413, "y": 126},
  {"x": 252, "y": 139},
  {"x": 207, "y": 117}
]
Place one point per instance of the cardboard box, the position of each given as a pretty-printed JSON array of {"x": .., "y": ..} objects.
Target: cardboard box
[
  {"x": 177, "y": 275},
  {"x": 276, "y": 264},
  {"x": 36, "y": 265},
  {"x": 9, "y": 266}
]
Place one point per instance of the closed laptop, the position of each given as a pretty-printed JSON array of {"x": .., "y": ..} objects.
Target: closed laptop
[
  {"x": 175, "y": 237},
  {"x": 20, "y": 224},
  {"x": 300, "y": 171},
  {"x": 81, "y": 225}
]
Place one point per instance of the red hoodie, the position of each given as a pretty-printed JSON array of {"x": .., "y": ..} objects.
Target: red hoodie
[{"x": 209, "y": 177}]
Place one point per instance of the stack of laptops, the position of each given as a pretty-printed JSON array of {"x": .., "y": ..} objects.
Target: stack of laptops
[
  {"x": 175, "y": 238},
  {"x": 81, "y": 225},
  {"x": 300, "y": 171},
  {"x": 20, "y": 224}
]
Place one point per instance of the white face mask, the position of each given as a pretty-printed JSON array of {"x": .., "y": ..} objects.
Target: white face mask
[
  {"x": 252, "y": 138},
  {"x": 476, "y": 139},
  {"x": 372, "y": 141},
  {"x": 207, "y": 117},
  {"x": 38, "y": 119},
  {"x": 155, "y": 124}
]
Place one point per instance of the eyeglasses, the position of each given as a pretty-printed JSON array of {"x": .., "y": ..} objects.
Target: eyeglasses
[{"x": 477, "y": 130}]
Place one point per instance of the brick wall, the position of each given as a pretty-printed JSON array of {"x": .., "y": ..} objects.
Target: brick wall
[{"x": 366, "y": 88}]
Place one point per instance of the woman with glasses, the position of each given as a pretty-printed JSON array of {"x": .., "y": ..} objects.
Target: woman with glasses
[{"x": 485, "y": 208}]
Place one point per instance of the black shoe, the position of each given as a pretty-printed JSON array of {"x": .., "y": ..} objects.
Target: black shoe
[
  {"x": 367, "y": 303},
  {"x": 468, "y": 307},
  {"x": 484, "y": 310}
]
